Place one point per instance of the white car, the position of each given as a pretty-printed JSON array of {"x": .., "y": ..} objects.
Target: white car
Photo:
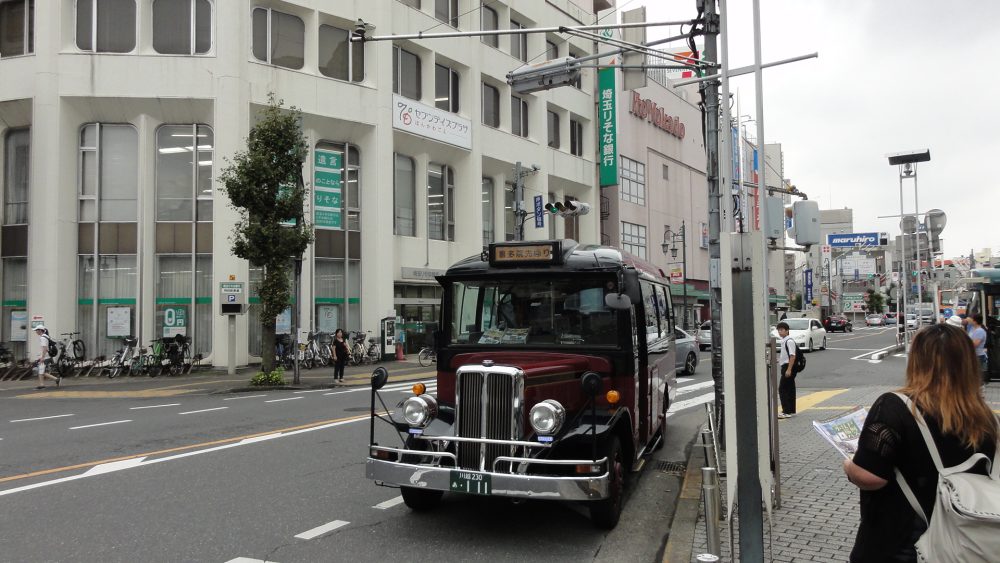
[
  {"x": 874, "y": 320},
  {"x": 807, "y": 333},
  {"x": 911, "y": 321},
  {"x": 704, "y": 335}
]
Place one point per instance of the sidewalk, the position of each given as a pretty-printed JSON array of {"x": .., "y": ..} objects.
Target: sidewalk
[
  {"x": 819, "y": 513},
  {"x": 209, "y": 380}
]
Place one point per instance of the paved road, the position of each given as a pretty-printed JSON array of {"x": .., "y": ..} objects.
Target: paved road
[{"x": 131, "y": 471}]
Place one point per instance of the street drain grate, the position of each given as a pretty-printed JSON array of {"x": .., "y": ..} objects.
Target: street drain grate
[{"x": 672, "y": 467}]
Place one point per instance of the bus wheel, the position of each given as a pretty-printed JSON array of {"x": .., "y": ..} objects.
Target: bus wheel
[
  {"x": 420, "y": 500},
  {"x": 605, "y": 513}
]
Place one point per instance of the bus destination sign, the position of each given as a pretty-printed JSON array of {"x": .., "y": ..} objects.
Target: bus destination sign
[{"x": 523, "y": 253}]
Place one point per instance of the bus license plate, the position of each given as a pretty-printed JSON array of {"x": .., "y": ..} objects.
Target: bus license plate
[{"x": 470, "y": 482}]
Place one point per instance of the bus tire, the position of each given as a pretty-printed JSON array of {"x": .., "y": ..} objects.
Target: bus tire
[
  {"x": 420, "y": 500},
  {"x": 606, "y": 513}
]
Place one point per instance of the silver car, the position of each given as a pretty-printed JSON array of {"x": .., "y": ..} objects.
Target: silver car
[
  {"x": 704, "y": 335},
  {"x": 687, "y": 352}
]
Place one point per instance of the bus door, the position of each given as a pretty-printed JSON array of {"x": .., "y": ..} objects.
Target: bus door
[{"x": 656, "y": 362}]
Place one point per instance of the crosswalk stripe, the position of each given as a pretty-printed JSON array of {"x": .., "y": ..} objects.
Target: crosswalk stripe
[
  {"x": 688, "y": 403},
  {"x": 691, "y": 388}
]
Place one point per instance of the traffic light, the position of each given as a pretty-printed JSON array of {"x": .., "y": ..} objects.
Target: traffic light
[
  {"x": 544, "y": 75},
  {"x": 570, "y": 208}
]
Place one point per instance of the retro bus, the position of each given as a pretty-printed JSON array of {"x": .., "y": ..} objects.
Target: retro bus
[
  {"x": 983, "y": 296},
  {"x": 556, "y": 367}
]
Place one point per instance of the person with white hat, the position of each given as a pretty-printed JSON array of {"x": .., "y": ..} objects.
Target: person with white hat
[{"x": 43, "y": 357}]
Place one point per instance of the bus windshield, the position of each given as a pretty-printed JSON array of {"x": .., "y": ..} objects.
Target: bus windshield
[{"x": 537, "y": 312}]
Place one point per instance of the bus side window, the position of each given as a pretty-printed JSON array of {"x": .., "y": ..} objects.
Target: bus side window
[
  {"x": 663, "y": 302},
  {"x": 652, "y": 317}
]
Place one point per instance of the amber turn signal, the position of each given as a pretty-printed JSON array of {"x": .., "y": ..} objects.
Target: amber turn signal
[
  {"x": 419, "y": 389},
  {"x": 613, "y": 397}
]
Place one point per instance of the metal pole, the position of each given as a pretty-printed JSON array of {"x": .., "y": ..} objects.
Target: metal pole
[
  {"x": 295, "y": 320},
  {"x": 762, "y": 172},
  {"x": 772, "y": 383},
  {"x": 684, "y": 259},
  {"x": 916, "y": 236},
  {"x": 904, "y": 274},
  {"x": 231, "y": 360},
  {"x": 518, "y": 204},
  {"x": 710, "y": 488},
  {"x": 523, "y": 31}
]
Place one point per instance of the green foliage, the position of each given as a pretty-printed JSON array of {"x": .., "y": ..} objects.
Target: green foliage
[
  {"x": 265, "y": 186},
  {"x": 795, "y": 302},
  {"x": 876, "y": 301},
  {"x": 275, "y": 378}
]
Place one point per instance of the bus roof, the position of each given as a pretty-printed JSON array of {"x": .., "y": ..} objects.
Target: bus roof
[
  {"x": 989, "y": 275},
  {"x": 575, "y": 257}
]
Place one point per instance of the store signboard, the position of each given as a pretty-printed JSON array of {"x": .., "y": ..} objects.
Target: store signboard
[
  {"x": 174, "y": 322},
  {"x": 18, "y": 326},
  {"x": 848, "y": 240},
  {"x": 607, "y": 131},
  {"x": 119, "y": 322},
  {"x": 327, "y": 189},
  {"x": 809, "y": 285},
  {"x": 428, "y": 121}
]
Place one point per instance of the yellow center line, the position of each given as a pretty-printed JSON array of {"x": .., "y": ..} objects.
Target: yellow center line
[{"x": 177, "y": 449}]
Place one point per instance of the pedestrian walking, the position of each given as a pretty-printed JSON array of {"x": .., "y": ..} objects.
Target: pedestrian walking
[
  {"x": 942, "y": 382},
  {"x": 340, "y": 354},
  {"x": 786, "y": 371},
  {"x": 43, "y": 357},
  {"x": 977, "y": 332}
]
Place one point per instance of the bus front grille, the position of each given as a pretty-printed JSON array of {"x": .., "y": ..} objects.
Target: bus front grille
[{"x": 487, "y": 405}]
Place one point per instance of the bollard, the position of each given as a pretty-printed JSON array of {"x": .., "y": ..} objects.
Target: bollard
[
  {"x": 709, "y": 443},
  {"x": 712, "y": 500}
]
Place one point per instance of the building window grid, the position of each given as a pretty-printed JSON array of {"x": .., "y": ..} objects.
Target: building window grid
[
  {"x": 90, "y": 14},
  {"x": 16, "y": 176},
  {"x": 634, "y": 239},
  {"x": 267, "y": 38},
  {"x": 446, "y": 91},
  {"x": 552, "y": 122},
  {"x": 519, "y": 42},
  {"x": 447, "y": 12},
  {"x": 518, "y": 116},
  {"x": 575, "y": 137},
  {"x": 488, "y": 210},
  {"x": 346, "y": 59},
  {"x": 404, "y": 195},
  {"x": 489, "y": 21},
  {"x": 551, "y": 50},
  {"x": 406, "y": 73},
  {"x": 633, "y": 181},
  {"x": 491, "y": 105},
  {"x": 440, "y": 202},
  {"x": 15, "y": 39},
  {"x": 201, "y": 175},
  {"x": 199, "y": 16}
]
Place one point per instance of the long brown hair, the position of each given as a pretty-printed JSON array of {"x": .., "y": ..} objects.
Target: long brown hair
[{"x": 943, "y": 379}]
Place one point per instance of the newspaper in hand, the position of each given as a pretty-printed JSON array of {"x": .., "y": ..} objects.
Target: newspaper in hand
[{"x": 843, "y": 430}]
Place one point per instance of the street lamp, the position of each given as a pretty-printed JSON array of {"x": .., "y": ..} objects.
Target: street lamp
[
  {"x": 670, "y": 240},
  {"x": 907, "y": 163}
]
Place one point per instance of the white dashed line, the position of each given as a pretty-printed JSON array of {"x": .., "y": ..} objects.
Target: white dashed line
[
  {"x": 41, "y": 418},
  {"x": 320, "y": 530},
  {"x": 204, "y": 410},
  {"x": 309, "y": 391},
  {"x": 249, "y": 560},
  {"x": 389, "y": 503},
  {"x": 279, "y": 400},
  {"x": 246, "y": 397},
  {"x": 99, "y": 424},
  {"x": 154, "y": 406}
]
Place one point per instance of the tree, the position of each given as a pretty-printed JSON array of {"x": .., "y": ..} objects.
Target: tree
[
  {"x": 264, "y": 184},
  {"x": 795, "y": 303},
  {"x": 875, "y": 301}
]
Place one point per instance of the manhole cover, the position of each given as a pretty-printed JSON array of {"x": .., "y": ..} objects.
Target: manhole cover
[{"x": 672, "y": 467}]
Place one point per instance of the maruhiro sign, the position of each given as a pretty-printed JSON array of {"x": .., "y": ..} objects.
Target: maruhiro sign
[
  {"x": 607, "y": 132},
  {"x": 852, "y": 239}
]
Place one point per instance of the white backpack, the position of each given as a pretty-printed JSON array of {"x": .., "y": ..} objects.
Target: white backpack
[{"x": 965, "y": 524}]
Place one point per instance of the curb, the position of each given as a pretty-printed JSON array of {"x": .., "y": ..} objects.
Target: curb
[
  {"x": 680, "y": 540},
  {"x": 880, "y": 355}
]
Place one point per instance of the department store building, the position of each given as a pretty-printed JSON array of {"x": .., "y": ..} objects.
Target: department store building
[{"x": 117, "y": 116}]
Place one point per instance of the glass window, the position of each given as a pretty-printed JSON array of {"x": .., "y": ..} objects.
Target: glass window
[
  {"x": 552, "y": 124},
  {"x": 445, "y": 88},
  {"x": 575, "y": 137},
  {"x": 440, "y": 191},
  {"x": 518, "y": 116},
  {"x": 350, "y": 188},
  {"x": 447, "y": 11},
  {"x": 578, "y": 83},
  {"x": 278, "y": 38},
  {"x": 338, "y": 57},
  {"x": 405, "y": 73},
  {"x": 177, "y": 291},
  {"x": 15, "y": 298},
  {"x": 16, "y": 169},
  {"x": 508, "y": 211},
  {"x": 112, "y": 183},
  {"x": 489, "y": 22},
  {"x": 182, "y": 27},
  {"x": 404, "y": 196},
  {"x": 105, "y": 26},
  {"x": 488, "y": 197},
  {"x": 491, "y": 106},
  {"x": 633, "y": 181},
  {"x": 17, "y": 29},
  {"x": 116, "y": 279},
  {"x": 182, "y": 178},
  {"x": 519, "y": 42},
  {"x": 634, "y": 239},
  {"x": 551, "y": 50}
]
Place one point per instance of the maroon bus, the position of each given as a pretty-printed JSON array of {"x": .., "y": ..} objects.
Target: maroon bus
[{"x": 556, "y": 367}]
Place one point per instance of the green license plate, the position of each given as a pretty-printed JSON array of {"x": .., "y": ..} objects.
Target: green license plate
[{"x": 470, "y": 482}]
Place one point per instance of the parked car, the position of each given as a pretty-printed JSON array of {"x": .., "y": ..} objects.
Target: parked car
[
  {"x": 687, "y": 352},
  {"x": 807, "y": 333},
  {"x": 874, "y": 320},
  {"x": 837, "y": 322},
  {"x": 911, "y": 321},
  {"x": 889, "y": 319},
  {"x": 704, "y": 335}
]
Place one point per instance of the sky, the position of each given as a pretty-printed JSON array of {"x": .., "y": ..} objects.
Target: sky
[{"x": 891, "y": 76}]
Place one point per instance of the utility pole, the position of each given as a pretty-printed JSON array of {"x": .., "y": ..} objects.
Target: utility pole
[
  {"x": 519, "y": 212},
  {"x": 710, "y": 116}
]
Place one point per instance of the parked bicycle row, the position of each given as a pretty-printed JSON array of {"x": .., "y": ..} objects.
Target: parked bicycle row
[{"x": 317, "y": 351}]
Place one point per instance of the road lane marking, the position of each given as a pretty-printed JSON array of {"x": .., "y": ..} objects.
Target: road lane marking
[
  {"x": 99, "y": 424},
  {"x": 684, "y": 379},
  {"x": 852, "y": 349},
  {"x": 308, "y": 391},
  {"x": 389, "y": 503},
  {"x": 286, "y": 399},
  {"x": 695, "y": 387},
  {"x": 204, "y": 410},
  {"x": 249, "y": 560},
  {"x": 114, "y": 466},
  {"x": 394, "y": 387},
  {"x": 809, "y": 401},
  {"x": 862, "y": 356},
  {"x": 226, "y": 444},
  {"x": 688, "y": 403},
  {"x": 246, "y": 397},
  {"x": 41, "y": 418},
  {"x": 148, "y": 394},
  {"x": 154, "y": 406},
  {"x": 320, "y": 530}
]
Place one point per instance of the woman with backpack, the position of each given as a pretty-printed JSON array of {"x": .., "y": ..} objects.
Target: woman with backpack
[
  {"x": 45, "y": 341},
  {"x": 941, "y": 400}
]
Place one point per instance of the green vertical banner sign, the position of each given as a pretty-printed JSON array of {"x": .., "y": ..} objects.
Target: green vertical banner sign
[
  {"x": 607, "y": 129},
  {"x": 327, "y": 189}
]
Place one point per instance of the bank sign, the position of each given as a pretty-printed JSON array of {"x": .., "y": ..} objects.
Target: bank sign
[{"x": 850, "y": 240}]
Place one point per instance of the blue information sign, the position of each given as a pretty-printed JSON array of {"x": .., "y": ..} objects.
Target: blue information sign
[
  {"x": 809, "y": 285},
  {"x": 539, "y": 213}
]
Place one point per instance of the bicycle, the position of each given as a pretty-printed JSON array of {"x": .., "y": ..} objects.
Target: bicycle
[
  {"x": 63, "y": 363},
  {"x": 122, "y": 359},
  {"x": 427, "y": 356},
  {"x": 358, "y": 350}
]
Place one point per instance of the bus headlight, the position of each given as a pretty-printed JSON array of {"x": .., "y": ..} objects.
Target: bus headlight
[
  {"x": 547, "y": 417},
  {"x": 420, "y": 410}
]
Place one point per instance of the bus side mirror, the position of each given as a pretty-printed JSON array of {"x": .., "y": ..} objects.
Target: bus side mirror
[
  {"x": 617, "y": 301},
  {"x": 632, "y": 286}
]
